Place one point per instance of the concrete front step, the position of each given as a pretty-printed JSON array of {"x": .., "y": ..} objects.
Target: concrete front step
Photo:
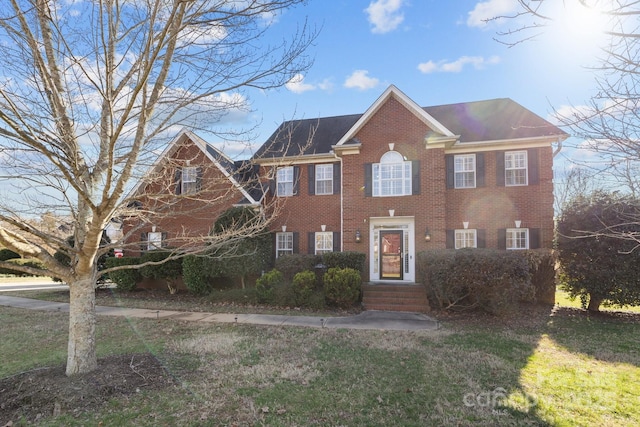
[{"x": 411, "y": 298}]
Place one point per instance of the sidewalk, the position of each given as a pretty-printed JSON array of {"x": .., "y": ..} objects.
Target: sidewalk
[{"x": 380, "y": 320}]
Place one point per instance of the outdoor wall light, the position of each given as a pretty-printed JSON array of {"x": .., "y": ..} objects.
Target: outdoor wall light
[
  {"x": 358, "y": 236},
  {"x": 427, "y": 235}
]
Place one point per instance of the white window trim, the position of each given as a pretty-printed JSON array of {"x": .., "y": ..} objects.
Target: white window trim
[
  {"x": 323, "y": 242},
  {"x": 188, "y": 186},
  {"x": 281, "y": 174},
  {"x": 525, "y": 168},
  {"x": 464, "y": 171},
  {"x": 405, "y": 178},
  {"x": 282, "y": 240},
  {"x": 465, "y": 231},
  {"x": 511, "y": 231},
  {"x": 154, "y": 240},
  {"x": 328, "y": 169}
]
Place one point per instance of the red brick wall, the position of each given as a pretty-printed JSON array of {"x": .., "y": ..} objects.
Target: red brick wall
[{"x": 183, "y": 218}]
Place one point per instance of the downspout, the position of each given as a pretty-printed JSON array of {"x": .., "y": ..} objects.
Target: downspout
[{"x": 341, "y": 202}]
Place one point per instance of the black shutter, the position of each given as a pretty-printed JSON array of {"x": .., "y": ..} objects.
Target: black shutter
[
  {"x": 336, "y": 241},
  {"x": 296, "y": 180},
  {"x": 502, "y": 238},
  {"x": 480, "y": 170},
  {"x": 533, "y": 166},
  {"x": 163, "y": 242},
  {"x": 415, "y": 177},
  {"x": 368, "y": 179},
  {"x": 178, "y": 181},
  {"x": 198, "y": 178},
  {"x": 481, "y": 237},
  {"x": 311, "y": 176},
  {"x": 311, "y": 240},
  {"x": 144, "y": 242},
  {"x": 534, "y": 238},
  {"x": 450, "y": 171},
  {"x": 500, "y": 168},
  {"x": 336, "y": 179},
  {"x": 273, "y": 183},
  {"x": 274, "y": 245},
  {"x": 451, "y": 239},
  {"x": 296, "y": 242}
]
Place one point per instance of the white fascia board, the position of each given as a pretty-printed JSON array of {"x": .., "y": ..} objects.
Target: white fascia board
[
  {"x": 504, "y": 144},
  {"x": 393, "y": 91},
  {"x": 302, "y": 159}
]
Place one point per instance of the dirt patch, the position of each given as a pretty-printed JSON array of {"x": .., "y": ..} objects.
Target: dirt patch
[{"x": 34, "y": 395}]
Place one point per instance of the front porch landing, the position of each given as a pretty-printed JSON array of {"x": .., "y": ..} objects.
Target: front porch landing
[{"x": 395, "y": 297}]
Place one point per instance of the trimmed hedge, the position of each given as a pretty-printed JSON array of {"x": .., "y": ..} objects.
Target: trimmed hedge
[
  {"x": 126, "y": 279},
  {"x": 342, "y": 286},
  {"x": 290, "y": 265},
  {"x": 7, "y": 254},
  {"x": 266, "y": 285},
  {"x": 194, "y": 275},
  {"x": 169, "y": 270},
  {"x": 348, "y": 259},
  {"x": 489, "y": 280},
  {"x": 302, "y": 287},
  {"x": 34, "y": 263}
]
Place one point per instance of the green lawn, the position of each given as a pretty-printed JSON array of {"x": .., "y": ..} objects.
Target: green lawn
[{"x": 541, "y": 368}]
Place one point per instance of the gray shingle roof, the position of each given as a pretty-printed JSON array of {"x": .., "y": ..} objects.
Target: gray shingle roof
[{"x": 480, "y": 121}]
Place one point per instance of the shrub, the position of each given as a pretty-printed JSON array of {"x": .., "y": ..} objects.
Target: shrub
[
  {"x": 489, "y": 280},
  {"x": 342, "y": 286},
  {"x": 7, "y": 254},
  {"x": 542, "y": 266},
  {"x": 34, "y": 263},
  {"x": 125, "y": 279},
  {"x": 194, "y": 275},
  {"x": 266, "y": 284},
  {"x": 354, "y": 260},
  {"x": 302, "y": 288},
  {"x": 169, "y": 270},
  {"x": 290, "y": 265}
]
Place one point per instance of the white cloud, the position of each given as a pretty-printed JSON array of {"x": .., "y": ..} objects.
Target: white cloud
[
  {"x": 297, "y": 85},
  {"x": 360, "y": 80},
  {"x": 488, "y": 10},
  {"x": 478, "y": 62},
  {"x": 384, "y": 15}
]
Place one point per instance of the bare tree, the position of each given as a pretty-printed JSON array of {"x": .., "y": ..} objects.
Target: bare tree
[
  {"x": 89, "y": 88},
  {"x": 608, "y": 124}
]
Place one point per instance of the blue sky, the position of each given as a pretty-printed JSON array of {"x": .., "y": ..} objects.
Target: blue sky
[{"x": 435, "y": 51}]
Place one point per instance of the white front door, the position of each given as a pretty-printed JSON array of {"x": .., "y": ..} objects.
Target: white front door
[{"x": 392, "y": 250}]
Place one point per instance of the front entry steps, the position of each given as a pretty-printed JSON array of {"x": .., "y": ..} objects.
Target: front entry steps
[{"x": 395, "y": 297}]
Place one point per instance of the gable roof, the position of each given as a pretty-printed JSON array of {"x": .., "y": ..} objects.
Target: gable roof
[
  {"x": 469, "y": 122},
  {"x": 234, "y": 171}
]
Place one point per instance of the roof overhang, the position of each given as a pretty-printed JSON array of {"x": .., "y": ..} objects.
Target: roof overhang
[
  {"x": 541, "y": 141},
  {"x": 301, "y": 159}
]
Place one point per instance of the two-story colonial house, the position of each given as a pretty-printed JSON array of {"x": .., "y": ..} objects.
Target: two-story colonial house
[
  {"x": 400, "y": 178},
  {"x": 390, "y": 182}
]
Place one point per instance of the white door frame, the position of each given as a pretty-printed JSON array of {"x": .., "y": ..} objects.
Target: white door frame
[{"x": 407, "y": 225}]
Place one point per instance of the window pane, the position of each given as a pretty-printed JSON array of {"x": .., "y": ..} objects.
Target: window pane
[
  {"x": 465, "y": 171},
  {"x": 391, "y": 179},
  {"x": 285, "y": 181},
  {"x": 465, "y": 239},
  {"x": 324, "y": 242},
  {"x": 515, "y": 168},
  {"x": 324, "y": 179},
  {"x": 189, "y": 176}
]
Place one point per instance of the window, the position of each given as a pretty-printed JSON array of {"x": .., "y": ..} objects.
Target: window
[
  {"x": 392, "y": 176},
  {"x": 465, "y": 239},
  {"x": 284, "y": 181},
  {"x": 284, "y": 244},
  {"x": 515, "y": 168},
  {"x": 324, "y": 242},
  {"x": 465, "y": 171},
  {"x": 189, "y": 180},
  {"x": 517, "y": 238},
  {"x": 324, "y": 179},
  {"x": 154, "y": 240}
]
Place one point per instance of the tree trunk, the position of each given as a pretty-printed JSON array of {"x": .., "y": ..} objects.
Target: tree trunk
[
  {"x": 594, "y": 303},
  {"x": 81, "y": 355}
]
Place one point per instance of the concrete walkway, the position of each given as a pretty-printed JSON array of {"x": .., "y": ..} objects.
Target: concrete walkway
[{"x": 381, "y": 320}]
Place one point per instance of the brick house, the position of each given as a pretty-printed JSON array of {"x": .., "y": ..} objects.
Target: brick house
[
  {"x": 400, "y": 179},
  {"x": 390, "y": 182}
]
